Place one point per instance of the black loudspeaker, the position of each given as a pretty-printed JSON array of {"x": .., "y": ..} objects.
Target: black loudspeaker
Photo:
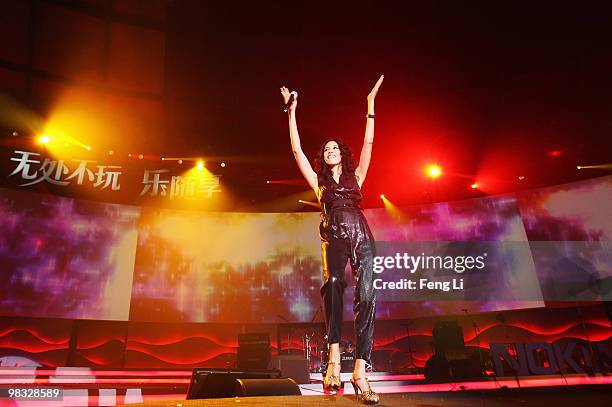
[
  {"x": 219, "y": 383},
  {"x": 292, "y": 366},
  {"x": 448, "y": 338},
  {"x": 347, "y": 361},
  {"x": 451, "y": 359},
  {"x": 253, "y": 351},
  {"x": 608, "y": 307},
  {"x": 266, "y": 387}
]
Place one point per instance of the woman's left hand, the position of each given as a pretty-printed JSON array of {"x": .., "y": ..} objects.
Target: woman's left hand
[{"x": 374, "y": 90}]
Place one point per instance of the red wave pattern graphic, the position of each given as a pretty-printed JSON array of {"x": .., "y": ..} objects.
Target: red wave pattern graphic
[
  {"x": 53, "y": 358},
  {"x": 189, "y": 345},
  {"x": 8, "y": 333},
  {"x": 108, "y": 354},
  {"x": 176, "y": 339},
  {"x": 143, "y": 359},
  {"x": 499, "y": 333},
  {"x": 188, "y": 351}
]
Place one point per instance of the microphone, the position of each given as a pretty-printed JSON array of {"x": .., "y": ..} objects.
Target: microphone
[{"x": 290, "y": 101}]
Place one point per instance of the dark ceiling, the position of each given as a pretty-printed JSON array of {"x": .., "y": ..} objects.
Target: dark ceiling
[{"x": 485, "y": 89}]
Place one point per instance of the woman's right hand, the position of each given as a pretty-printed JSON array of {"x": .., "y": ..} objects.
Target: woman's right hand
[{"x": 286, "y": 95}]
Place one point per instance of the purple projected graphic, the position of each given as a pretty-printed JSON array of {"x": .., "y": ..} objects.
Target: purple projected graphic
[
  {"x": 490, "y": 219},
  {"x": 244, "y": 267},
  {"x": 78, "y": 259},
  {"x": 570, "y": 232},
  {"x": 226, "y": 267},
  {"x": 65, "y": 258},
  {"x": 484, "y": 219}
]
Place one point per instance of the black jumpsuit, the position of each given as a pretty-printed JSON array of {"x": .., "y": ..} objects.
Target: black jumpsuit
[{"x": 345, "y": 235}]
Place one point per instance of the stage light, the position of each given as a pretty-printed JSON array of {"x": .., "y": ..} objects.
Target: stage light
[
  {"x": 433, "y": 171},
  {"x": 267, "y": 182},
  {"x": 140, "y": 156},
  {"x": 521, "y": 177},
  {"x": 222, "y": 164},
  {"x": 607, "y": 166},
  {"x": 44, "y": 139},
  {"x": 15, "y": 134},
  {"x": 180, "y": 161},
  {"x": 309, "y": 203},
  {"x": 163, "y": 159},
  {"x": 474, "y": 185},
  {"x": 554, "y": 153},
  {"x": 88, "y": 148},
  {"x": 393, "y": 210},
  {"x": 111, "y": 152},
  {"x": 200, "y": 165}
]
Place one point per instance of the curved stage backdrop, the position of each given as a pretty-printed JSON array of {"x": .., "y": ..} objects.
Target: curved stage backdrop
[{"x": 154, "y": 287}]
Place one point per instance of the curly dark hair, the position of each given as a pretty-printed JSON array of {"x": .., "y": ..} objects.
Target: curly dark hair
[{"x": 348, "y": 162}]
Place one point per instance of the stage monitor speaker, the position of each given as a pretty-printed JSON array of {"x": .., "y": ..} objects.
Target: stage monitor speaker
[
  {"x": 448, "y": 338},
  {"x": 254, "y": 351},
  {"x": 292, "y": 366},
  {"x": 218, "y": 383},
  {"x": 440, "y": 368},
  {"x": 267, "y": 387}
]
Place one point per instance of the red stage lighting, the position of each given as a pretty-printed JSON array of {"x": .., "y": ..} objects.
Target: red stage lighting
[{"x": 433, "y": 171}]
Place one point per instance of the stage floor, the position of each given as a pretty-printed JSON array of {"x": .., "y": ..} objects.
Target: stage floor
[
  {"x": 91, "y": 387},
  {"x": 573, "y": 396}
]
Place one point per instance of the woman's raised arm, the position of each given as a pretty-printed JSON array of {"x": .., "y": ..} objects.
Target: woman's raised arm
[
  {"x": 300, "y": 157},
  {"x": 366, "y": 150}
]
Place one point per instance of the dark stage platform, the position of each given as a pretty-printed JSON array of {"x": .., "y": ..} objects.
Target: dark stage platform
[{"x": 574, "y": 396}]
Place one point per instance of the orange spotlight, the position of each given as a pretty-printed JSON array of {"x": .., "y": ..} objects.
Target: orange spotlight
[
  {"x": 393, "y": 211},
  {"x": 313, "y": 204},
  {"x": 180, "y": 161},
  {"x": 607, "y": 166},
  {"x": 44, "y": 139},
  {"x": 433, "y": 171}
]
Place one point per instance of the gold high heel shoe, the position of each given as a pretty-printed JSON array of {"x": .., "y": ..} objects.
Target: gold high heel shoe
[
  {"x": 331, "y": 382},
  {"x": 367, "y": 396}
]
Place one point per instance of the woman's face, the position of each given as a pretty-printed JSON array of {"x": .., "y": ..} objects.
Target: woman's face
[{"x": 331, "y": 153}]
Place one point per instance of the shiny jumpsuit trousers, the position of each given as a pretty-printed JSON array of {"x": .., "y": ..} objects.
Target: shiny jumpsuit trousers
[{"x": 345, "y": 236}]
